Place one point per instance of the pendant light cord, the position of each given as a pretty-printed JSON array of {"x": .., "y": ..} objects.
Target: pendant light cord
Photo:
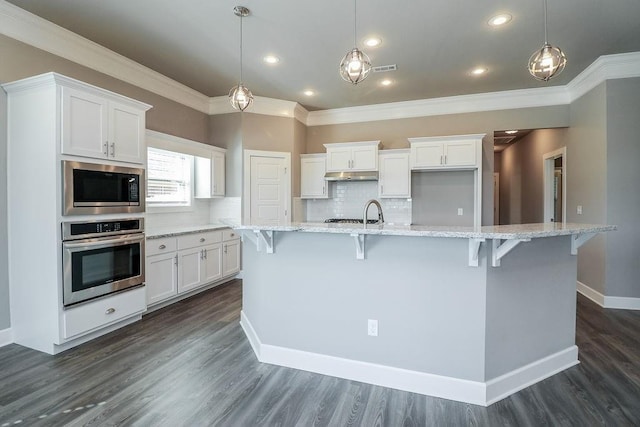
[
  {"x": 545, "y": 22},
  {"x": 241, "y": 48},
  {"x": 355, "y": 22}
]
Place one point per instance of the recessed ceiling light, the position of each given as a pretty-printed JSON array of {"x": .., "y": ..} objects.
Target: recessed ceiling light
[
  {"x": 478, "y": 71},
  {"x": 498, "y": 20},
  {"x": 372, "y": 42},
  {"x": 309, "y": 92},
  {"x": 510, "y": 131},
  {"x": 271, "y": 59},
  {"x": 386, "y": 82}
]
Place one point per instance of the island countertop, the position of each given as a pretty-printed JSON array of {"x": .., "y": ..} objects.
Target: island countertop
[{"x": 506, "y": 232}]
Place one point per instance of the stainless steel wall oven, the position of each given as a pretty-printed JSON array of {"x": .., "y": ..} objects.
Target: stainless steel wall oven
[
  {"x": 90, "y": 188},
  {"x": 101, "y": 257}
]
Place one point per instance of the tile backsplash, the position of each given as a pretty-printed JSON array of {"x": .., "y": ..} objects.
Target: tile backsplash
[{"x": 347, "y": 200}]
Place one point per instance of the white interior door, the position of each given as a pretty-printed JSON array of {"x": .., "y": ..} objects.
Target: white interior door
[{"x": 269, "y": 188}]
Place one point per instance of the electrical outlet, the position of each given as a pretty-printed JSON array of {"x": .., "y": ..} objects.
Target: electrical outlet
[
  {"x": 579, "y": 210},
  {"x": 460, "y": 211},
  {"x": 372, "y": 328}
]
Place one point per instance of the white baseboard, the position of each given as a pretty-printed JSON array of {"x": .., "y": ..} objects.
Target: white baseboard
[
  {"x": 622, "y": 303},
  {"x": 6, "y": 337},
  {"x": 474, "y": 392}
]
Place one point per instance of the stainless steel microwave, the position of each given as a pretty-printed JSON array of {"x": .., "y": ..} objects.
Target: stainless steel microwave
[{"x": 90, "y": 188}]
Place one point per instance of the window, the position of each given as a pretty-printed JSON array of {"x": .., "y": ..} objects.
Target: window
[{"x": 169, "y": 178}]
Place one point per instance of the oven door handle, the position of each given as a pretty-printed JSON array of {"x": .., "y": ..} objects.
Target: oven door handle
[{"x": 108, "y": 241}]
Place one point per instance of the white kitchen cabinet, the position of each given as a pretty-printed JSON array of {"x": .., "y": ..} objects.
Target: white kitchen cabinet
[
  {"x": 177, "y": 265},
  {"x": 312, "y": 170},
  {"x": 231, "y": 253},
  {"x": 395, "y": 174},
  {"x": 352, "y": 156},
  {"x": 460, "y": 152},
  {"x": 210, "y": 174},
  {"x": 102, "y": 127}
]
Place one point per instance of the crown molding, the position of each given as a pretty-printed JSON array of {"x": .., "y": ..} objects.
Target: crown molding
[
  {"x": 261, "y": 105},
  {"x": 609, "y": 67},
  {"x": 521, "y": 98},
  {"x": 28, "y": 28}
]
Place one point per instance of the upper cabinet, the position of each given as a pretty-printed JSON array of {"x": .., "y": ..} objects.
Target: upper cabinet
[
  {"x": 102, "y": 125},
  {"x": 446, "y": 152},
  {"x": 210, "y": 174},
  {"x": 395, "y": 174},
  {"x": 312, "y": 182},
  {"x": 352, "y": 156}
]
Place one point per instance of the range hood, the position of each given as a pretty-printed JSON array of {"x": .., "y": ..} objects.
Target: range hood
[{"x": 352, "y": 176}]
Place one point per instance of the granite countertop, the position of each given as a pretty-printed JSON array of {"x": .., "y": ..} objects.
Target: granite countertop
[
  {"x": 520, "y": 231},
  {"x": 160, "y": 232}
]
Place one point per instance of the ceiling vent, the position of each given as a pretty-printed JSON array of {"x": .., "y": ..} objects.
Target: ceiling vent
[
  {"x": 503, "y": 139},
  {"x": 384, "y": 68}
]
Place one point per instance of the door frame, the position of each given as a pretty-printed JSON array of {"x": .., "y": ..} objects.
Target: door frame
[
  {"x": 246, "y": 194},
  {"x": 548, "y": 169},
  {"x": 496, "y": 198}
]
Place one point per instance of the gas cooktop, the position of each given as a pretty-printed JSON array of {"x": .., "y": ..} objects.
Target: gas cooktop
[{"x": 349, "y": 221}]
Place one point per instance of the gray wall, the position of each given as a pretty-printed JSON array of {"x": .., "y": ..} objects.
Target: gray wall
[
  {"x": 394, "y": 134},
  {"x": 521, "y": 178},
  {"x": 5, "y": 320},
  {"x": 437, "y": 195},
  {"x": 623, "y": 196},
  {"x": 225, "y": 130},
  {"x": 586, "y": 180}
]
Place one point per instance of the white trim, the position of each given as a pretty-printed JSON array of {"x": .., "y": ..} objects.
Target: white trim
[
  {"x": 525, "y": 376},
  {"x": 548, "y": 169},
  {"x": 6, "y": 337},
  {"x": 165, "y": 141},
  {"x": 28, "y": 28},
  {"x": 492, "y": 101},
  {"x": 475, "y": 392},
  {"x": 261, "y": 105},
  {"x": 620, "y": 303}
]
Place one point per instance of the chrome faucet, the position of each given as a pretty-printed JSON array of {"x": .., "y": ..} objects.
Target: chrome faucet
[{"x": 366, "y": 209}]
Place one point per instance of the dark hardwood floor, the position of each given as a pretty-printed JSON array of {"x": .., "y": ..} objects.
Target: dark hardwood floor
[{"x": 191, "y": 365}]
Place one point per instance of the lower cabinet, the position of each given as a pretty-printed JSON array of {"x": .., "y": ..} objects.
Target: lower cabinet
[{"x": 176, "y": 265}]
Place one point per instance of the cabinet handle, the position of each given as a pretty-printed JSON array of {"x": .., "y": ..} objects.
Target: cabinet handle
[
  {"x": 113, "y": 149},
  {"x": 323, "y": 189},
  {"x": 162, "y": 247},
  {"x": 106, "y": 148},
  {"x": 176, "y": 259},
  {"x": 225, "y": 249},
  {"x": 232, "y": 234},
  {"x": 202, "y": 239},
  {"x": 204, "y": 251},
  {"x": 445, "y": 159},
  {"x": 110, "y": 311}
]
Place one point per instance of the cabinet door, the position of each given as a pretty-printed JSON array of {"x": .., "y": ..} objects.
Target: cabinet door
[
  {"x": 427, "y": 155},
  {"x": 126, "y": 133},
  {"x": 338, "y": 159},
  {"x": 161, "y": 277},
  {"x": 364, "y": 158},
  {"x": 212, "y": 263},
  {"x": 312, "y": 182},
  {"x": 231, "y": 257},
  {"x": 190, "y": 269},
  {"x": 217, "y": 174},
  {"x": 460, "y": 153},
  {"x": 395, "y": 176},
  {"x": 84, "y": 124}
]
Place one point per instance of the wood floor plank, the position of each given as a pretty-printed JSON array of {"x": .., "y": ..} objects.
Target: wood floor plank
[{"x": 190, "y": 364}]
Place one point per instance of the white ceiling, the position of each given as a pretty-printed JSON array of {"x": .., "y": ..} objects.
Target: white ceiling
[{"x": 434, "y": 43}]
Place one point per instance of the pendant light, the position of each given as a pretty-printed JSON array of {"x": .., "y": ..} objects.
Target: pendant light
[
  {"x": 549, "y": 61},
  {"x": 355, "y": 65},
  {"x": 240, "y": 96}
]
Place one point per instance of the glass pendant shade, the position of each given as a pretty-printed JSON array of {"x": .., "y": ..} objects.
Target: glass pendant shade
[
  {"x": 355, "y": 66},
  {"x": 240, "y": 97},
  {"x": 547, "y": 62}
]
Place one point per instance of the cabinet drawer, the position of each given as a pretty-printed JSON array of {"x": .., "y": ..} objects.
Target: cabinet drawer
[
  {"x": 199, "y": 239},
  {"x": 103, "y": 312},
  {"x": 230, "y": 235},
  {"x": 160, "y": 246}
]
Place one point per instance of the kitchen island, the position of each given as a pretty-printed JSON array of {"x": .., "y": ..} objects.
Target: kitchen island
[{"x": 472, "y": 314}]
